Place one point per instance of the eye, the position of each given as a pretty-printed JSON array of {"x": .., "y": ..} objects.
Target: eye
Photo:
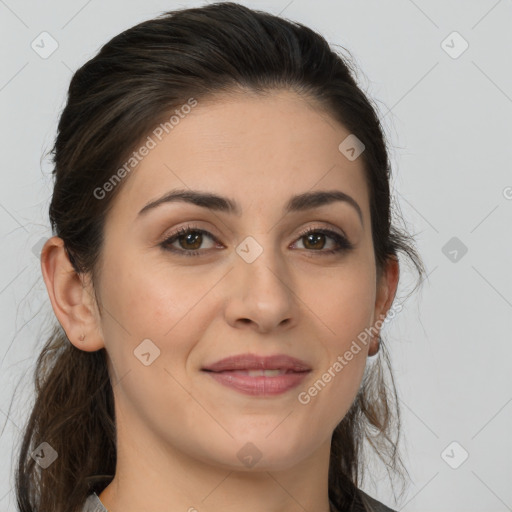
[
  {"x": 316, "y": 236},
  {"x": 190, "y": 239}
]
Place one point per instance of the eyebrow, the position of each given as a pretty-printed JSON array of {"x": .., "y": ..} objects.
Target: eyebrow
[{"x": 297, "y": 203}]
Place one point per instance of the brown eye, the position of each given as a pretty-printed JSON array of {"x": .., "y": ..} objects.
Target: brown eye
[
  {"x": 190, "y": 239},
  {"x": 315, "y": 241}
]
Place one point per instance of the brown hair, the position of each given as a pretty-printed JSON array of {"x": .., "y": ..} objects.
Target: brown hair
[{"x": 114, "y": 100}]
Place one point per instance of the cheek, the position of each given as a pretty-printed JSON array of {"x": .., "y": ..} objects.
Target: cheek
[
  {"x": 346, "y": 307},
  {"x": 159, "y": 303},
  {"x": 345, "y": 300},
  {"x": 145, "y": 296}
]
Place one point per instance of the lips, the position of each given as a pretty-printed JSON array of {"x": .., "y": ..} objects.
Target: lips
[
  {"x": 257, "y": 375},
  {"x": 251, "y": 362}
]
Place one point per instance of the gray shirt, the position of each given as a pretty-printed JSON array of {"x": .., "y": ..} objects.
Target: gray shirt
[{"x": 93, "y": 504}]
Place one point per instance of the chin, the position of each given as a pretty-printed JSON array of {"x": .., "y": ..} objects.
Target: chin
[{"x": 256, "y": 452}]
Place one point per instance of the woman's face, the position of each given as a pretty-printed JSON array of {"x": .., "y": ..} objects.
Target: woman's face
[{"x": 255, "y": 286}]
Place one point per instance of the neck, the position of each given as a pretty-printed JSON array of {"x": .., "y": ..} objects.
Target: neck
[{"x": 180, "y": 483}]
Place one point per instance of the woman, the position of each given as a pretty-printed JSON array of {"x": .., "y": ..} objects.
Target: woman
[{"x": 222, "y": 265}]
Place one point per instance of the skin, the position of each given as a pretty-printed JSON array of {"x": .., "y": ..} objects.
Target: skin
[{"x": 179, "y": 431}]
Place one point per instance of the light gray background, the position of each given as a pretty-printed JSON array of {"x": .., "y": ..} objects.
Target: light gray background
[{"x": 448, "y": 120}]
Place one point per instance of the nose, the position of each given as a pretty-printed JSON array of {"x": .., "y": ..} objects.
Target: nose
[{"x": 261, "y": 294}]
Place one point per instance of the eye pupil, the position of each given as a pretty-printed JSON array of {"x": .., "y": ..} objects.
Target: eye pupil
[
  {"x": 313, "y": 236},
  {"x": 192, "y": 234}
]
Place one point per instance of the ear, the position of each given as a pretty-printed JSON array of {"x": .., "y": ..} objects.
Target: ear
[
  {"x": 72, "y": 300},
  {"x": 387, "y": 284}
]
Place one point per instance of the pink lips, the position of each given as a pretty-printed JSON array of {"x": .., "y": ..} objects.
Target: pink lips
[{"x": 256, "y": 375}]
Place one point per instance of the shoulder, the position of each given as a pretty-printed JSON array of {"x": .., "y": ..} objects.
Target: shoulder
[
  {"x": 372, "y": 505},
  {"x": 93, "y": 504}
]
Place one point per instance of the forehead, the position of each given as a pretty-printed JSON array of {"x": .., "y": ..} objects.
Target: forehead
[{"x": 258, "y": 149}]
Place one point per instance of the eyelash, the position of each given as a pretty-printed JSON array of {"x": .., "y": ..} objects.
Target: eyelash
[{"x": 343, "y": 243}]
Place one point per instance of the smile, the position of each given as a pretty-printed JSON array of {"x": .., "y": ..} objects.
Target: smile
[{"x": 259, "y": 382}]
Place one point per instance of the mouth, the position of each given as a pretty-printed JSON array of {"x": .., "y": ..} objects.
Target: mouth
[
  {"x": 253, "y": 362},
  {"x": 259, "y": 375}
]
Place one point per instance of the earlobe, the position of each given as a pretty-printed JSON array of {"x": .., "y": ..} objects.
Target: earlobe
[
  {"x": 374, "y": 345},
  {"x": 72, "y": 302}
]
